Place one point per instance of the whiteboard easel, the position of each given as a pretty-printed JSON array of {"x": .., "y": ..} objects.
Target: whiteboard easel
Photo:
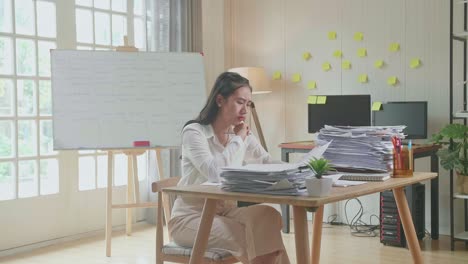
[{"x": 133, "y": 187}]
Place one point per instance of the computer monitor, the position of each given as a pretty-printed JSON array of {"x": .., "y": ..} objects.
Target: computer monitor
[
  {"x": 411, "y": 114},
  {"x": 340, "y": 110}
]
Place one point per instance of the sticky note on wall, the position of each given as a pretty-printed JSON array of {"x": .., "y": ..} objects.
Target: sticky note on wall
[
  {"x": 306, "y": 56},
  {"x": 311, "y": 85},
  {"x": 394, "y": 47},
  {"x": 358, "y": 36},
  {"x": 321, "y": 99},
  {"x": 363, "y": 78},
  {"x": 312, "y": 99},
  {"x": 332, "y": 35},
  {"x": 392, "y": 80},
  {"x": 415, "y": 63},
  {"x": 376, "y": 106},
  {"x": 337, "y": 54},
  {"x": 296, "y": 77},
  {"x": 277, "y": 75},
  {"x": 362, "y": 52},
  {"x": 346, "y": 65},
  {"x": 326, "y": 66},
  {"x": 378, "y": 64}
]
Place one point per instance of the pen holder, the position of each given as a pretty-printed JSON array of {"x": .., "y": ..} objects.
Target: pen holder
[{"x": 403, "y": 163}]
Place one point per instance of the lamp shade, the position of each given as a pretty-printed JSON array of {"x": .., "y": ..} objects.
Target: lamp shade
[{"x": 256, "y": 76}]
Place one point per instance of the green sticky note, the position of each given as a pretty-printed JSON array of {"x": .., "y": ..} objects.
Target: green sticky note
[
  {"x": 337, "y": 53},
  {"x": 362, "y": 52},
  {"x": 321, "y": 99},
  {"x": 394, "y": 47},
  {"x": 296, "y": 78},
  {"x": 277, "y": 75},
  {"x": 326, "y": 66},
  {"x": 376, "y": 106},
  {"x": 311, "y": 99},
  {"x": 415, "y": 63},
  {"x": 392, "y": 80},
  {"x": 346, "y": 64},
  {"x": 311, "y": 85},
  {"x": 378, "y": 64},
  {"x": 358, "y": 36},
  {"x": 332, "y": 35},
  {"x": 363, "y": 78},
  {"x": 306, "y": 56}
]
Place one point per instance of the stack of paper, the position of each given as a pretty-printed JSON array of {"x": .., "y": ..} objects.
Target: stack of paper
[
  {"x": 279, "y": 179},
  {"x": 361, "y": 148}
]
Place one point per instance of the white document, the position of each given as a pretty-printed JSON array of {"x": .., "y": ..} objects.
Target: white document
[
  {"x": 316, "y": 152},
  {"x": 276, "y": 167},
  {"x": 281, "y": 185},
  {"x": 207, "y": 183}
]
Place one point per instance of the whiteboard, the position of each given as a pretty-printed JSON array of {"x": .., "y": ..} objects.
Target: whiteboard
[{"x": 109, "y": 100}]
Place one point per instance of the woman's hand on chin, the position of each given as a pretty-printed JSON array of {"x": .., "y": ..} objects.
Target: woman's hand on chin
[{"x": 242, "y": 130}]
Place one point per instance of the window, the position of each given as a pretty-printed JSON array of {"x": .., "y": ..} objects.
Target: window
[
  {"x": 102, "y": 25},
  {"x": 28, "y": 164}
]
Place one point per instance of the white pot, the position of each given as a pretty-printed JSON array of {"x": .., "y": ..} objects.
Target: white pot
[{"x": 318, "y": 187}]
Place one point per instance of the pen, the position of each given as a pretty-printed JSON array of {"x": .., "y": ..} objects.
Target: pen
[{"x": 410, "y": 154}]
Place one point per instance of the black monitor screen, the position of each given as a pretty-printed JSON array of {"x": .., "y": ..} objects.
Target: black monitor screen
[
  {"x": 411, "y": 114},
  {"x": 340, "y": 110}
]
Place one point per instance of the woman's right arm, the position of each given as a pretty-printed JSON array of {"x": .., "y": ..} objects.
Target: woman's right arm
[{"x": 197, "y": 150}]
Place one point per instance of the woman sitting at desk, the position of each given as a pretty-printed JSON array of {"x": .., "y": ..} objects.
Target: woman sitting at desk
[{"x": 218, "y": 137}]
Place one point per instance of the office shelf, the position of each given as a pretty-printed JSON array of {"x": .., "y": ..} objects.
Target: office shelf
[
  {"x": 462, "y": 236},
  {"x": 461, "y": 36},
  {"x": 460, "y": 196},
  {"x": 460, "y": 115}
]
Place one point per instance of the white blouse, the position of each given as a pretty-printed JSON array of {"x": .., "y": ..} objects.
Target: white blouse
[{"x": 203, "y": 156}]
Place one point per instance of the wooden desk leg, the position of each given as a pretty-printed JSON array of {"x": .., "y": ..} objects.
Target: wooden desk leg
[
  {"x": 317, "y": 235},
  {"x": 301, "y": 234},
  {"x": 204, "y": 230},
  {"x": 408, "y": 226},
  {"x": 130, "y": 195},
  {"x": 110, "y": 172}
]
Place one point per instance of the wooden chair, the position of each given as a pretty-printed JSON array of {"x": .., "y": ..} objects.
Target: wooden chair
[{"x": 171, "y": 251}]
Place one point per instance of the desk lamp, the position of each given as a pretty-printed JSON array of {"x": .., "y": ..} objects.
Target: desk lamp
[{"x": 258, "y": 82}]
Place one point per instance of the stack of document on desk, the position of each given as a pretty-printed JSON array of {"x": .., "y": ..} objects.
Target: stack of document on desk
[
  {"x": 278, "y": 179},
  {"x": 361, "y": 148}
]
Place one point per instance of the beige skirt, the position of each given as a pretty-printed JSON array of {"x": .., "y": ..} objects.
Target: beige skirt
[{"x": 247, "y": 232}]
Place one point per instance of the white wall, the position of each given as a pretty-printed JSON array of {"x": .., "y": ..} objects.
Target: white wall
[{"x": 275, "y": 33}]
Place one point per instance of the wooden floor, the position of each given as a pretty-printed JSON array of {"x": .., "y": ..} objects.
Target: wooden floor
[{"x": 338, "y": 246}]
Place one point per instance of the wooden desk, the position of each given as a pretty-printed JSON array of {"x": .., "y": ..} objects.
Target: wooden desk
[
  {"x": 300, "y": 203},
  {"x": 419, "y": 151}
]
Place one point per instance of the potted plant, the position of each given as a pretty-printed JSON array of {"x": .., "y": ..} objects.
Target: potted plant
[
  {"x": 318, "y": 186},
  {"x": 454, "y": 156}
]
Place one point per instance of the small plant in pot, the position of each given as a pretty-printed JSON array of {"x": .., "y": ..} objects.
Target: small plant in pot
[
  {"x": 318, "y": 186},
  {"x": 454, "y": 156}
]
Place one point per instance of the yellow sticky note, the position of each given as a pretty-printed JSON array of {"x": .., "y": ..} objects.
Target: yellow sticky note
[
  {"x": 277, "y": 75},
  {"x": 312, "y": 99},
  {"x": 326, "y": 66},
  {"x": 332, "y": 35},
  {"x": 321, "y": 99},
  {"x": 358, "y": 36},
  {"x": 363, "y": 78},
  {"x": 392, "y": 80},
  {"x": 311, "y": 85},
  {"x": 337, "y": 53},
  {"x": 394, "y": 47},
  {"x": 376, "y": 106},
  {"x": 378, "y": 64},
  {"x": 346, "y": 64},
  {"x": 296, "y": 77},
  {"x": 306, "y": 56},
  {"x": 362, "y": 52},
  {"x": 415, "y": 63}
]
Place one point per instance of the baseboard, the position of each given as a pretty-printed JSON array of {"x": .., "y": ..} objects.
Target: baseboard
[{"x": 60, "y": 240}]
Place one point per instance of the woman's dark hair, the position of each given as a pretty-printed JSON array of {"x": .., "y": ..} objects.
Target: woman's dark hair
[{"x": 226, "y": 84}]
